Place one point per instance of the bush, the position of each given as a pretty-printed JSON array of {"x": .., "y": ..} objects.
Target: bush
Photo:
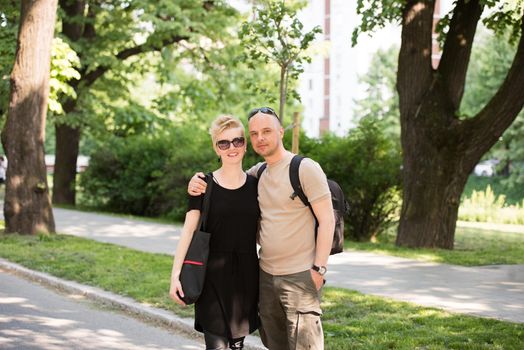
[
  {"x": 367, "y": 166},
  {"x": 121, "y": 175},
  {"x": 486, "y": 206},
  {"x": 146, "y": 175}
]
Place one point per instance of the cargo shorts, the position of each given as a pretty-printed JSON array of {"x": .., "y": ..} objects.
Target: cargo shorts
[{"x": 290, "y": 312}]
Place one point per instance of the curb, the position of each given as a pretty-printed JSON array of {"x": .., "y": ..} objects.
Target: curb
[{"x": 155, "y": 315}]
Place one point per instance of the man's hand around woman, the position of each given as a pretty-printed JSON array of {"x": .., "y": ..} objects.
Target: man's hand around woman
[{"x": 197, "y": 185}]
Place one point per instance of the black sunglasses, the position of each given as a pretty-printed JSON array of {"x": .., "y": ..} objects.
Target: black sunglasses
[
  {"x": 265, "y": 110},
  {"x": 225, "y": 144}
]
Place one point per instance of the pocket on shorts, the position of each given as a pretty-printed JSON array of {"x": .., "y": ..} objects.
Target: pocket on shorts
[{"x": 309, "y": 333}]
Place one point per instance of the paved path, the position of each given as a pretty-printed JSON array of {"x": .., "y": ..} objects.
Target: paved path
[
  {"x": 490, "y": 291},
  {"x": 34, "y": 317}
]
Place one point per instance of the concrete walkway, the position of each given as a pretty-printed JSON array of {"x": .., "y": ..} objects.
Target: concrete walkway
[{"x": 489, "y": 291}]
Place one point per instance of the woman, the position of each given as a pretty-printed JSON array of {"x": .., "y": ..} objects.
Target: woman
[{"x": 226, "y": 311}]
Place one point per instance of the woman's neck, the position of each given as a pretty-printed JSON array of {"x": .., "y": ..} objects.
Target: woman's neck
[{"x": 230, "y": 176}]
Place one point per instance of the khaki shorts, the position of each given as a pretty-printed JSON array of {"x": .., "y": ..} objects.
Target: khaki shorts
[{"x": 290, "y": 312}]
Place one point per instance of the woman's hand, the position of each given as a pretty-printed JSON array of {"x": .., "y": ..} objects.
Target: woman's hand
[{"x": 175, "y": 290}]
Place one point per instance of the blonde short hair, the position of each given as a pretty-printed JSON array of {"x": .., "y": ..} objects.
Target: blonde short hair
[{"x": 222, "y": 123}]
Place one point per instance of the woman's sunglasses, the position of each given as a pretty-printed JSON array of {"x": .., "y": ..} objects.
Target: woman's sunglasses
[{"x": 225, "y": 144}]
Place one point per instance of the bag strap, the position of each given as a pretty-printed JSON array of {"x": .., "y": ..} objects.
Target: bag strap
[
  {"x": 295, "y": 180},
  {"x": 261, "y": 170},
  {"x": 207, "y": 199}
]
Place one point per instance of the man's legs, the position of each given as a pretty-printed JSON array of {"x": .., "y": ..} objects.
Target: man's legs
[
  {"x": 272, "y": 316},
  {"x": 290, "y": 312}
]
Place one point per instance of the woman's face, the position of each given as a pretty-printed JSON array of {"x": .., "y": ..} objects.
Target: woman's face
[{"x": 230, "y": 145}]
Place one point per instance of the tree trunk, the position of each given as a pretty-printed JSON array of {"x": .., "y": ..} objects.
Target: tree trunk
[
  {"x": 67, "y": 138},
  {"x": 439, "y": 149},
  {"x": 434, "y": 175},
  {"x": 283, "y": 91},
  {"x": 27, "y": 207},
  {"x": 64, "y": 178}
]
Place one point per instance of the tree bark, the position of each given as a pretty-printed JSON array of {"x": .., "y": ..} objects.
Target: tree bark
[
  {"x": 66, "y": 154},
  {"x": 439, "y": 149},
  {"x": 27, "y": 207},
  {"x": 282, "y": 91}
]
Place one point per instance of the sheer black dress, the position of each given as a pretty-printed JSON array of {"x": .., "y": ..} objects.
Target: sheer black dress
[{"x": 228, "y": 305}]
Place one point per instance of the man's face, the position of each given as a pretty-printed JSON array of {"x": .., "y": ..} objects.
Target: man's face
[{"x": 265, "y": 133}]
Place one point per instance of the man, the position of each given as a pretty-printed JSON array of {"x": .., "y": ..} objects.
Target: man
[{"x": 292, "y": 263}]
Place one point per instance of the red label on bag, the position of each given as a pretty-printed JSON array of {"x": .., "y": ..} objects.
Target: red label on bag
[{"x": 193, "y": 262}]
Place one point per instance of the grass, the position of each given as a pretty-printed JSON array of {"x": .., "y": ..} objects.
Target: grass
[
  {"x": 351, "y": 320},
  {"x": 514, "y": 195},
  {"x": 473, "y": 247}
]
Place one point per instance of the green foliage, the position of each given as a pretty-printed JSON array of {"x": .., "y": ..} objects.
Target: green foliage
[
  {"x": 485, "y": 206},
  {"x": 490, "y": 61},
  {"x": 381, "y": 102},
  {"x": 121, "y": 175},
  {"x": 276, "y": 35},
  {"x": 498, "y": 184},
  {"x": 9, "y": 14},
  {"x": 64, "y": 64},
  {"x": 366, "y": 164},
  {"x": 376, "y": 14},
  {"x": 147, "y": 175}
]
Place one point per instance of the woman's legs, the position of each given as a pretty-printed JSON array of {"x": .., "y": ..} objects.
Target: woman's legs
[
  {"x": 237, "y": 343},
  {"x": 217, "y": 342}
]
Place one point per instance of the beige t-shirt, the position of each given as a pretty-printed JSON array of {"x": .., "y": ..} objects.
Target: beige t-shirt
[{"x": 287, "y": 227}]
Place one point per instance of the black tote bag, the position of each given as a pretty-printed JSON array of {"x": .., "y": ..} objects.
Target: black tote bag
[{"x": 194, "y": 268}]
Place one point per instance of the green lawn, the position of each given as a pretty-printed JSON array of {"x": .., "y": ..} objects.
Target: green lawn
[
  {"x": 472, "y": 247},
  {"x": 513, "y": 194},
  {"x": 351, "y": 320}
]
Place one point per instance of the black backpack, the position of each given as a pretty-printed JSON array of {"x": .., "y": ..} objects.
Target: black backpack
[{"x": 340, "y": 205}]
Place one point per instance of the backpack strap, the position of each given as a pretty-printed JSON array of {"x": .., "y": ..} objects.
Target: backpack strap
[
  {"x": 261, "y": 170},
  {"x": 205, "y": 206},
  {"x": 295, "y": 180}
]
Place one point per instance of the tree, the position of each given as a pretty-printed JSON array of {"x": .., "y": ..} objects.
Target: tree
[
  {"x": 276, "y": 35},
  {"x": 439, "y": 148},
  {"x": 113, "y": 38},
  {"x": 483, "y": 78},
  {"x": 27, "y": 207}
]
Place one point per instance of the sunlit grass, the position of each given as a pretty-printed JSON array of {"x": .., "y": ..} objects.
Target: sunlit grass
[
  {"x": 472, "y": 247},
  {"x": 351, "y": 320}
]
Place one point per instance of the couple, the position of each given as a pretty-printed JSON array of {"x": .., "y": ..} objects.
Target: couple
[{"x": 292, "y": 264}]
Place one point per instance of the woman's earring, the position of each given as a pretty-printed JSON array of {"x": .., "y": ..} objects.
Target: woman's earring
[{"x": 219, "y": 159}]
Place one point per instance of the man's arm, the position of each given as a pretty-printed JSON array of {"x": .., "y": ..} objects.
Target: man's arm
[
  {"x": 197, "y": 186},
  {"x": 323, "y": 209}
]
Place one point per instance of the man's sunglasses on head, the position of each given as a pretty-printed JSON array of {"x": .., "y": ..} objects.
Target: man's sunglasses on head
[
  {"x": 225, "y": 144},
  {"x": 265, "y": 110}
]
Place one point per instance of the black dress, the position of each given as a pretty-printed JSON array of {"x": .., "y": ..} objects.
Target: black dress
[{"x": 228, "y": 305}]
